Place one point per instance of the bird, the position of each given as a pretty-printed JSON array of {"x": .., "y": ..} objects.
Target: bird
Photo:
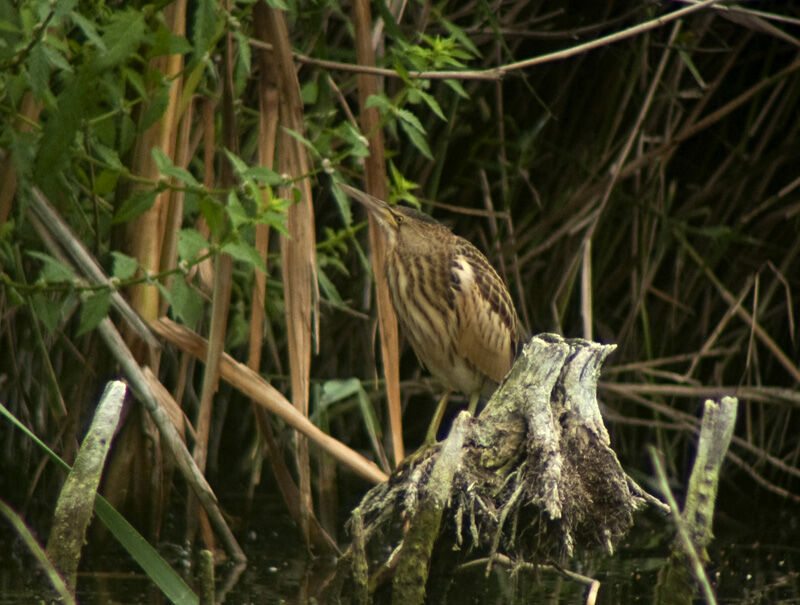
[{"x": 451, "y": 304}]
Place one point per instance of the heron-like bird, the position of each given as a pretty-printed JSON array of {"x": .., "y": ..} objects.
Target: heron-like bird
[{"x": 452, "y": 305}]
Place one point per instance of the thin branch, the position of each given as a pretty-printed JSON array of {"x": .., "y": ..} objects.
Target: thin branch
[
  {"x": 496, "y": 73},
  {"x": 605, "y": 40}
]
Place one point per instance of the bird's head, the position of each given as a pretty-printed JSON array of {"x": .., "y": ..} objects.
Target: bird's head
[{"x": 398, "y": 223}]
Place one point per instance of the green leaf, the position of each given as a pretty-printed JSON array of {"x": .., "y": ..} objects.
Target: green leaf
[
  {"x": 168, "y": 43},
  {"x": 47, "y": 311},
  {"x": 205, "y": 25},
  {"x": 53, "y": 270},
  {"x": 214, "y": 214},
  {"x": 58, "y": 134},
  {"x": 358, "y": 142},
  {"x": 402, "y": 187},
  {"x": 246, "y": 253},
  {"x": 105, "y": 182},
  {"x": 338, "y": 389},
  {"x": 13, "y": 297},
  {"x": 276, "y": 220},
  {"x": 432, "y": 103},
  {"x": 408, "y": 118},
  {"x": 190, "y": 244},
  {"x": 167, "y": 168},
  {"x": 56, "y": 58},
  {"x": 134, "y": 78},
  {"x": 93, "y": 310},
  {"x": 265, "y": 175},
  {"x": 417, "y": 139},
  {"x": 62, "y": 8},
  {"x": 156, "y": 106},
  {"x": 393, "y": 30},
  {"x": 38, "y": 71},
  {"x": 243, "y": 62},
  {"x": 124, "y": 266},
  {"x": 343, "y": 204},
  {"x": 89, "y": 30},
  {"x": 186, "y": 303},
  {"x": 136, "y": 205},
  {"x": 108, "y": 155},
  {"x": 380, "y": 101},
  {"x": 370, "y": 420},
  {"x": 236, "y": 211},
  {"x": 309, "y": 93},
  {"x": 459, "y": 35},
  {"x": 328, "y": 289},
  {"x": 127, "y": 133},
  {"x": 239, "y": 165},
  {"x": 122, "y": 37},
  {"x": 298, "y": 137},
  {"x": 238, "y": 330},
  {"x": 458, "y": 88},
  {"x": 156, "y": 568}
]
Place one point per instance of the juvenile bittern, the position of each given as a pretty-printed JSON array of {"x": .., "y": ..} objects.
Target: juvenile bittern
[{"x": 453, "y": 307}]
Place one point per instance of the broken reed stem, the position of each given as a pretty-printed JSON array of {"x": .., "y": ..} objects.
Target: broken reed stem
[
  {"x": 694, "y": 523},
  {"x": 259, "y": 390},
  {"x": 375, "y": 184},
  {"x": 186, "y": 464},
  {"x": 75, "y": 505}
]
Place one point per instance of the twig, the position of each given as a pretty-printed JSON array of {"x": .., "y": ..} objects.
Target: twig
[
  {"x": 87, "y": 263},
  {"x": 765, "y": 338},
  {"x": 483, "y": 74},
  {"x": 605, "y": 40},
  {"x": 496, "y": 73},
  {"x": 263, "y": 393},
  {"x": 183, "y": 458}
]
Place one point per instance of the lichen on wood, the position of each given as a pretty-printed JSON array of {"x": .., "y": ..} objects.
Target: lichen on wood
[
  {"x": 532, "y": 477},
  {"x": 684, "y": 572},
  {"x": 76, "y": 502}
]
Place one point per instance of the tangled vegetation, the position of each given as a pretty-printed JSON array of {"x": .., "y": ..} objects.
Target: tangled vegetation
[{"x": 630, "y": 169}]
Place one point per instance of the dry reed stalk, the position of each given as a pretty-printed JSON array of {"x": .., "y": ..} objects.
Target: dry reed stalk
[
  {"x": 267, "y": 137},
  {"x": 375, "y": 184},
  {"x": 146, "y": 234},
  {"x": 268, "y": 128},
  {"x": 220, "y": 299},
  {"x": 259, "y": 390},
  {"x": 174, "y": 218},
  {"x": 298, "y": 252}
]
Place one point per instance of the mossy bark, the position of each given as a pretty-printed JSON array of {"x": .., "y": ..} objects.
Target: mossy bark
[
  {"x": 76, "y": 502},
  {"x": 684, "y": 572},
  {"x": 533, "y": 478}
]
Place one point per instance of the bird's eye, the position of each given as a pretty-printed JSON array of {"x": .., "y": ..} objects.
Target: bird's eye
[{"x": 399, "y": 218}]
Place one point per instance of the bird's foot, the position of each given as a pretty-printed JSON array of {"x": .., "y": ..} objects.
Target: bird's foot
[{"x": 425, "y": 451}]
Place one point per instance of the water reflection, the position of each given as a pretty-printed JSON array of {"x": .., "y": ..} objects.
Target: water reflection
[{"x": 748, "y": 565}]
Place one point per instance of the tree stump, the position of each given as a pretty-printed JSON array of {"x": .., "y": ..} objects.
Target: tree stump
[{"x": 532, "y": 477}]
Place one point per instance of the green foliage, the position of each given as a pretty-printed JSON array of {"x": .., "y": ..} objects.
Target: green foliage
[
  {"x": 185, "y": 302},
  {"x": 532, "y": 160},
  {"x": 94, "y": 309},
  {"x": 134, "y": 543}
]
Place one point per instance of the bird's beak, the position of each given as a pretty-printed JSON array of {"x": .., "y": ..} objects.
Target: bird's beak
[{"x": 380, "y": 210}]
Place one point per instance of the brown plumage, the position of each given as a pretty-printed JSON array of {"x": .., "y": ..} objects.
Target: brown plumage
[{"x": 453, "y": 307}]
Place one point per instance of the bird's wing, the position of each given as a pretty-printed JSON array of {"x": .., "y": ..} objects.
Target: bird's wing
[{"x": 487, "y": 330}]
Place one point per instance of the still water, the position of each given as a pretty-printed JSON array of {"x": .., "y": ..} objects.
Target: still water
[{"x": 755, "y": 559}]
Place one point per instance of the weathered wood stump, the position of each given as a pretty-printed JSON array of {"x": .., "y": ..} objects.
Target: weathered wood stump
[{"x": 532, "y": 477}]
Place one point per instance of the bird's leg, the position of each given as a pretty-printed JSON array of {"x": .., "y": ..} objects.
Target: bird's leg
[
  {"x": 430, "y": 438},
  {"x": 473, "y": 403}
]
